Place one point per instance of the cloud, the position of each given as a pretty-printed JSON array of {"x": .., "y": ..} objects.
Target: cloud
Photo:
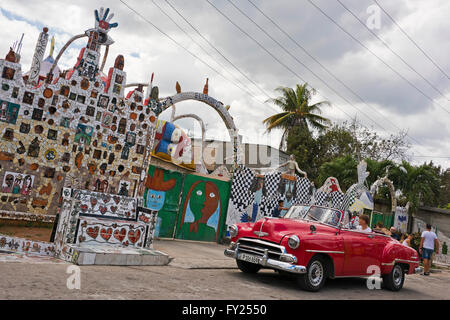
[{"x": 146, "y": 50}]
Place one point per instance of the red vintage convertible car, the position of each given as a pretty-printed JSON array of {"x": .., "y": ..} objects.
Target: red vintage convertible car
[{"x": 317, "y": 243}]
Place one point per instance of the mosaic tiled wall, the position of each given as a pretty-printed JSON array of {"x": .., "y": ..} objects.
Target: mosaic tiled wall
[
  {"x": 82, "y": 221},
  {"x": 72, "y": 143},
  {"x": 78, "y": 131}
]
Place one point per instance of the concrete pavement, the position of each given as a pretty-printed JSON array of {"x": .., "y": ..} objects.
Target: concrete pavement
[
  {"x": 197, "y": 271},
  {"x": 195, "y": 254}
]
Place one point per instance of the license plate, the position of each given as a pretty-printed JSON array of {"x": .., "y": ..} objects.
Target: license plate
[{"x": 248, "y": 258}]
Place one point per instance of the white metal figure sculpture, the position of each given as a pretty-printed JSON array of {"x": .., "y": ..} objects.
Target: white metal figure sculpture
[{"x": 293, "y": 166}]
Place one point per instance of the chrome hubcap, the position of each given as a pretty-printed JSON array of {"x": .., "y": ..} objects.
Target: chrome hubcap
[
  {"x": 398, "y": 275},
  {"x": 315, "y": 273}
]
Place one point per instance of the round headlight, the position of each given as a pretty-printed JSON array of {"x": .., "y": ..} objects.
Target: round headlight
[
  {"x": 293, "y": 242},
  {"x": 233, "y": 230}
]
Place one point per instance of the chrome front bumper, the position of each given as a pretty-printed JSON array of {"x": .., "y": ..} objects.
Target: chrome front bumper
[{"x": 269, "y": 263}]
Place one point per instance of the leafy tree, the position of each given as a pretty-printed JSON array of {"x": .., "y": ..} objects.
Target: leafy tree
[
  {"x": 311, "y": 152},
  {"x": 303, "y": 146},
  {"x": 323, "y": 150},
  {"x": 369, "y": 144},
  {"x": 340, "y": 140},
  {"x": 335, "y": 142},
  {"x": 343, "y": 168},
  {"x": 418, "y": 184},
  {"x": 444, "y": 194},
  {"x": 297, "y": 111}
]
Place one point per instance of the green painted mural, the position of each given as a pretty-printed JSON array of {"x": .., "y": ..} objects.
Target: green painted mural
[
  {"x": 203, "y": 208},
  {"x": 162, "y": 194}
]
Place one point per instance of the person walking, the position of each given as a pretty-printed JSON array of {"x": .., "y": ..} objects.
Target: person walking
[{"x": 428, "y": 244}]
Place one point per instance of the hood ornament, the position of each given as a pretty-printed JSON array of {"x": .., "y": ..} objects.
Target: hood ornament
[{"x": 261, "y": 233}]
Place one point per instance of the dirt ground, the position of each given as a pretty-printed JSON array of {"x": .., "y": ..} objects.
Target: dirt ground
[
  {"x": 198, "y": 271},
  {"x": 22, "y": 231}
]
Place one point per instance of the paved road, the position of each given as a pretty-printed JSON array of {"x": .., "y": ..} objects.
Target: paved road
[{"x": 189, "y": 276}]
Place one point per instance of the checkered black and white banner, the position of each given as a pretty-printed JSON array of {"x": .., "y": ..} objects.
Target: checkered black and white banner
[
  {"x": 245, "y": 206},
  {"x": 352, "y": 194},
  {"x": 241, "y": 195},
  {"x": 272, "y": 195},
  {"x": 336, "y": 199},
  {"x": 304, "y": 191}
]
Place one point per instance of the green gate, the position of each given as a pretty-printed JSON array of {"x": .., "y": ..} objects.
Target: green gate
[
  {"x": 168, "y": 214},
  {"x": 387, "y": 219}
]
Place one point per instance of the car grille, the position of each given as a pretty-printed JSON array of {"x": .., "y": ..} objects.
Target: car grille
[{"x": 258, "y": 247}]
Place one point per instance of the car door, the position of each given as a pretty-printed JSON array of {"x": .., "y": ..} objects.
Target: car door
[
  {"x": 360, "y": 252},
  {"x": 381, "y": 242}
]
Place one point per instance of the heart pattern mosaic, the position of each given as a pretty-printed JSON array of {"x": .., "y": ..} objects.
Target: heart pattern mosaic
[
  {"x": 105, "y": 205},
  {"x": 123, "y": 233}
]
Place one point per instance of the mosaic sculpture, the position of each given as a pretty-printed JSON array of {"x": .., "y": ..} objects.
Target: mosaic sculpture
[{"x": 73, "y": 144}]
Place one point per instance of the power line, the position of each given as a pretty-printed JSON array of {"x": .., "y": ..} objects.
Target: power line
[
  {"x": 202, "y": 48},
  {"x": 412, "y": 40},
  {"x": 325, "y": 68},
  {"x": 295, "y": 58},
  {"x": 187, "y": 50},
  {"x": 268, "y": 52},
  {"x": 198, "y": 58},
  {"x": 375, "y": 55},
  {"x": 432, "y": 157},
  {"x": 391, "y": 50},
  {"x": 293, "y": 72},
  {"x": 218, "y": 51}
]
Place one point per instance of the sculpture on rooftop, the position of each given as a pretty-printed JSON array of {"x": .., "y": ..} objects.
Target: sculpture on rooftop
[{"x": 292, "y": 166}]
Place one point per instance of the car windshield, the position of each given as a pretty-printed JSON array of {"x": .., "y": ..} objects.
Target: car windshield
[
  {"x": 296, "y": 212},
  {"x": 324, "y": 215}
]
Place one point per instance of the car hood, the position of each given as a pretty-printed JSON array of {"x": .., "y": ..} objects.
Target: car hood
[{"x": 274, "y": 229}]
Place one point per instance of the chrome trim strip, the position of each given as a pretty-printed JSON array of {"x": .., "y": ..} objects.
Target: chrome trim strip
[
  {"x": 270, "y": 263},
  {"x": 398, "y": 260},
  {"x": 324, "y": 251},
  {"x": 355, "y": 276},
  {"x": 267, "y": 243},
  {"x": 262, "y": 223},
  {"x": 258, "y": 250}
]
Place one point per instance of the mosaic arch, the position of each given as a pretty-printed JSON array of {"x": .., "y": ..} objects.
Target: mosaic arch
[
  {"x": 159, "y": 105},
  {"x": 386, "y": 181},
  {"x": 75, "y": 143}
]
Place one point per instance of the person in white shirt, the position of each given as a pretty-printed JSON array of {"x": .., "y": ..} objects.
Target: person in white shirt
[
  {"x": 364, "y": 224},
  {"x": 428, "y": 244},
  {"x": 407, "y": 241}
]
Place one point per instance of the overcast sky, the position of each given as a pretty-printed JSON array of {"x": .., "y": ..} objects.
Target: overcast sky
[{"x": 390, "y": 101}]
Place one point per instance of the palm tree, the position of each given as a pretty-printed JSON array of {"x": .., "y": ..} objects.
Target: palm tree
[
  {"x": 297, "y": 111},
  {"x": 419, "y": 183}
]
